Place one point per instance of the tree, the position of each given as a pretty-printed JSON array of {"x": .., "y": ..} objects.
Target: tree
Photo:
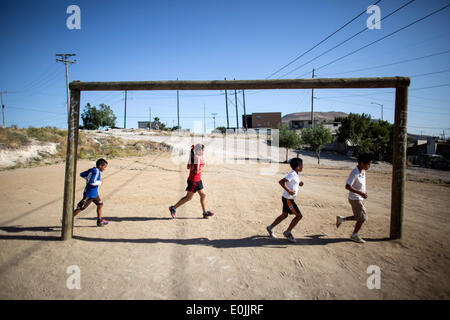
[
  {"x": 316, "y": 138},
  {"x": 222, "y": 129},
  {"x": 288, "y": 139},
  {"x": 94, "y": 118},
  {"x": 366, "y": 135},
  {"x": 354, "y": 129}
]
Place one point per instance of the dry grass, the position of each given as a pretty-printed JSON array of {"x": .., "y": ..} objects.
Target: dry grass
[{"x": 88, "y": 147}]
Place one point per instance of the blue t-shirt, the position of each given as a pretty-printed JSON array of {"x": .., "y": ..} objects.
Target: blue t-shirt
[{"x": 92, "y": 177}]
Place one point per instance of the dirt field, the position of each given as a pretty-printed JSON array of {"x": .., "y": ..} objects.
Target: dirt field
[{"x": 144, "y": 254}]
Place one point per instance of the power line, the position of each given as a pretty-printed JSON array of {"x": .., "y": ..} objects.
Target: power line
[
  {"x": 44, "y": 76},
  {"x": 322, "y": 41},
  {"x": 348, "y": 39},
  {"x": 382, "y": 38},
  {"x": 389, "y": 64}
]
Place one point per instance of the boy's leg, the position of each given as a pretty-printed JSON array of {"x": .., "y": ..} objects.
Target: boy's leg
[
  {"x": 294, "y": 222},
  {"x": 358, "y": 226},
  {"x": 82, "y": 205},
  {"x": 188, "y": 197},
  {"x": 279, "y": 219},
  {"x": 100, "y": 220},
  {"x": 77, "y": 211},
  {"x": 202, "y": 195},
  {"x": 99, "y": 211}
]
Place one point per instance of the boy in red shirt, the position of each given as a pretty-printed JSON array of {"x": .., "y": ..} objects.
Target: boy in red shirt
[{"x": 194, "y": 182}]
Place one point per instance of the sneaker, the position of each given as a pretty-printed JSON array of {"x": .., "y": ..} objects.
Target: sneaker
[
  {"x": 339, "y": 221},
  {"x": 270, "y": 231},
  {"x": 356, "y": 238},
  {"x": 172, "y": 211},
  {"x": 102, "y": 222},
  {"x": 289, "y": 236},
  {"x": 207, "y": 214}
]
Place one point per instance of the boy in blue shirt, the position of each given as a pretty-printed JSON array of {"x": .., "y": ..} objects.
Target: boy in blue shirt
[{"x": 90, "y": 194}]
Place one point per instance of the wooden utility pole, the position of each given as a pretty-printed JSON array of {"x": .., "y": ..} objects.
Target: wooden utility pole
[
  {"x": 312, "y": 103},
  {"x": 399, "y": 162},
  {"x": 125, "y": 116},
  {"x": 204, "y": 118},
  {"x": 3, "y": 108},
  {"x": 178, "y": 108},
  {"x": 63, "y": 59},
  {"x": 245, "y": 113},
  {"x": 236, "y": 104},
  {"x": 71, "y": 165},
  {"x": 226, "y": 106},
  {"x": 149, "y": 118}
]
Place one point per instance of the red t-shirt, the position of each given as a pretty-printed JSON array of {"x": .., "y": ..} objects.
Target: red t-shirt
[{"x": 195, "y": 170}]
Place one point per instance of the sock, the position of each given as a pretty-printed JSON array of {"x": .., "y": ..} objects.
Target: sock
[{"x": 342, "y": 218}]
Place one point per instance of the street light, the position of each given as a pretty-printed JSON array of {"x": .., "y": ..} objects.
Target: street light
[{"x": 381, "y": 108}]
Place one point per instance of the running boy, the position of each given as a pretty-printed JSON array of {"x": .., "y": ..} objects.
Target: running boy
[
  {"x": 290, "y": 184},
  {"x": 356, "y": 185},
  {"x": 90, "y": 194},
  {"x": 194, "y": 182}
]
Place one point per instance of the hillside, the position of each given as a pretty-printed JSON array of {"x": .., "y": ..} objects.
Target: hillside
[{"x": 328, "y": 116}]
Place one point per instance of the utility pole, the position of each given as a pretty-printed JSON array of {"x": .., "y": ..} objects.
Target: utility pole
[
  {"x": 245, "y": 113},
  {"x": 214, "y": 118},
  {"x": 3, "y": 108},
  {"x": 63, "y": 59},
  {"x": 381, "y": 108},
  {"x": 312, "y": 103},
  {"x": 178, "y": 107},
  {"x": 204, "y": 118},
  {"x": 149, "y": 118},
  {"x": 226, "y": 105},
  {"x": 125, "y": 116},
  {"x": 237, "y": 115}
]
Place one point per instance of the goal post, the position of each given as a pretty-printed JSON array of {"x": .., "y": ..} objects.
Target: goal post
[{"x": 400, "y": 84}]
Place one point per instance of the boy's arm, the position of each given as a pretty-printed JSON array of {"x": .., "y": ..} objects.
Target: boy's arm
[
  {"x": 350, "y": 188},
  {"x": 282, "y": 183},
  {"x": 84, "y": 174}
]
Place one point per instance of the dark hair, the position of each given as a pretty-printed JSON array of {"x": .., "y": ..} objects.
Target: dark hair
[
  {"x": 101, "y": 162},
  {"x": 192, "y": 153},
  {"x": 364, "y": 158},
  {"x": 295, "y": 162}
]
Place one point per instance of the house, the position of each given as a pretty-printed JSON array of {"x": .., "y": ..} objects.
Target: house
[
  {"x": 155, "y": 125},
  {"x": 262, "y": 120},
  {"x": 432, "y": 154},
  {"x": 302, "y": 120}
]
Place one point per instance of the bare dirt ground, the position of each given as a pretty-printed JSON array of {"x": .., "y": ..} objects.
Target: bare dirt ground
[{"x": 144, "y": 254}]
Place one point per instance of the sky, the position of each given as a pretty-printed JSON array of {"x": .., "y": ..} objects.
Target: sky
[{"x": 212, "y": 40}]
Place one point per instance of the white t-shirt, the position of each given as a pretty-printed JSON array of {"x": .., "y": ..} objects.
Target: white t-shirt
[
  {"x": 293, "y": 180},
  {"x": 357, "y": 180}
]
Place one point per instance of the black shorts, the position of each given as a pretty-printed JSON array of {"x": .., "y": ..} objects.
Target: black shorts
[
  {"x": 194, "y": 186},
  {"x": 289, "y": 206},
  {"x": 83, "y": 204}
]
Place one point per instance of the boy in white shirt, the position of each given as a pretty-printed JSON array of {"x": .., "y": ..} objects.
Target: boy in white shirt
[
  {"x": 356, "y": 185},
  {"x": 290, "y": 184}
]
